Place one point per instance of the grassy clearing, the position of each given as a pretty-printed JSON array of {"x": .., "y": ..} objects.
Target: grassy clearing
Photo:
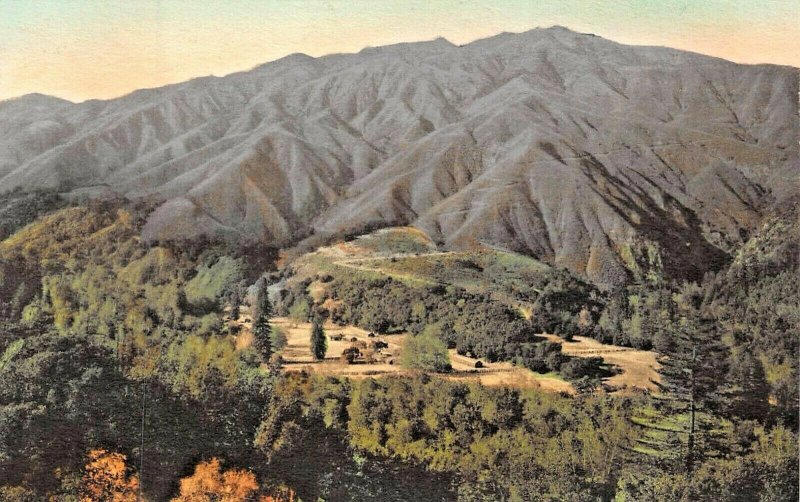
[
  {"x": 638, "y": 368},
  {"x": 386, "y": 362},
  {"x": 472, "y": 270},
  {"x": 408, "y": 255},
  {"x": 406, "y": 240}
]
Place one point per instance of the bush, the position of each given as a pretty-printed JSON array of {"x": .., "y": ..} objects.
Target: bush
[
  {"x": 299, "y": 311},
  {"x": 278, "y": 336},
  {"x": 350, "y": 354},
  {"x": 212, "y": 282},
  {"x": 578, "y": 367},
  {"x": 426, "y": 353}
]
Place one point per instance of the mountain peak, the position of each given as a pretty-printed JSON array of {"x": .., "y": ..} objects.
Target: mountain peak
[
  {"x": 437, "y": 44},
  {"x": 582, "y": 152},
  {"x": 289, "y": 59},
  {"x": 36, "y": 98}
]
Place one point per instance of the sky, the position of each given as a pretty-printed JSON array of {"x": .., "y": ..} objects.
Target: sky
[{"x": 84, "y": 49}]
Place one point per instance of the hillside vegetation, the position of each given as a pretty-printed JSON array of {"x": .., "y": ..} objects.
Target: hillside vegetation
[
  {"x": 487, "y": 304},
  {"x": 107, "y": 340}
]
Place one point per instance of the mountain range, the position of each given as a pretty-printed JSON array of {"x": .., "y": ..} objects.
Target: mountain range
[{"x": 605, "y": 159}]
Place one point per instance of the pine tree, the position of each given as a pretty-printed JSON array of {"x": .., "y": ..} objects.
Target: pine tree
[
  {"x": 236, "y": 302},
  {"x": 262, "y": 306},
  {"x": 693, "y": 368},
  {"x": 319, "y": 342},
  {"x": 262, "y": 311},
  {"x": 750, "y": 396}
]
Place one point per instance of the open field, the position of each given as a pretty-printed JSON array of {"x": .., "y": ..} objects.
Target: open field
[
  {"x": 638, "y": 367},
  {"x": 297, "y": 357},
  {"x": 386, "y": 361}
]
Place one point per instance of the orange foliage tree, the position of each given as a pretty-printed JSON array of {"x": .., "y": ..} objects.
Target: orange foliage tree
[
  {"x": 106, "y": 477},
  {"x": 281, "y": 495},
  {"x": 210, "y": 484}
]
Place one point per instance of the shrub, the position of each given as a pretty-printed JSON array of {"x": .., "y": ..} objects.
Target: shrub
[{"x": 424, "y": 352}]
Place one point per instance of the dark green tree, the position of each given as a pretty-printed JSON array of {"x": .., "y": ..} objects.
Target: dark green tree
[
  {"x": 750, "y": 389},
  {"x": 262, "y": 311},
  {"x": 236, "y": 302},
  {"x": 694, "y": 362},
  {"x": 319, "y": 342}
]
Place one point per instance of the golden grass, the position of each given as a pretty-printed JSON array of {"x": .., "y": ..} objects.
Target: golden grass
[
  {"x": 297, "y": 357},
  {"x": 638, "y": 367}
]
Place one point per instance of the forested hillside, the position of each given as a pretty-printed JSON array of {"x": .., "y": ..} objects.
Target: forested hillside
[{"x": 117, "y": 356}]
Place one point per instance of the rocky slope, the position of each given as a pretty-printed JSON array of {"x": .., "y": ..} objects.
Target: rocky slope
[{"x": 591, "y": 155}]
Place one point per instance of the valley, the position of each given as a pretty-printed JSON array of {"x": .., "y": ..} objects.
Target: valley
[{"x": 215, "y": 343}]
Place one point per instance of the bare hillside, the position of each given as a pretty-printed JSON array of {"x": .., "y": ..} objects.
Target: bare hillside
[{"x": 602, "y": 158}]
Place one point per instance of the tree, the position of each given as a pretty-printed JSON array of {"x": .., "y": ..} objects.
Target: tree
[
  {"x": 209, "y": 483},
  {"x": 262, "y": 306},
  {"x": 350, "y": 354},
  {"x": 236, "y": 302},
  {"x": 693, "y": 365},
  {"x": 425, "y": 352},
  {"x": 262, "y": 311},
  {"x": 319, "y": 342},
  {"x": 278, "y": 338},
  {"x": 107, "y": 477},
  {"x": 750, "y": 399}
]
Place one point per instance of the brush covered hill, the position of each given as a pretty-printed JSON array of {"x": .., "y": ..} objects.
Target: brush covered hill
[
  {"x": 408, "y": 256},
  {"x": 485, "y": 303},
  {"x": 758, "y": 297},
  {"x": 581, "y": 152}
]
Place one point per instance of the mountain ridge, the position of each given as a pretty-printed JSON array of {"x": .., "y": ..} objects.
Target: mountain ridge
[
  {"x": 303, "y": 55},
  {"x": 585, "y": 153}
]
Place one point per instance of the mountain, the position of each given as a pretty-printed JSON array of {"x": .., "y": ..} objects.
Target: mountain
[{"x": 602, "y": 158}]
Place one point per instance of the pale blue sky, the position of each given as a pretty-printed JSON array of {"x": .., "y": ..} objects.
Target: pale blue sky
[{"x": 81, "y": 49}]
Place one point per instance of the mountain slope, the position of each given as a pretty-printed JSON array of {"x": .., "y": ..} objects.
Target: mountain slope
[{"x": 584, "y": 153}]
